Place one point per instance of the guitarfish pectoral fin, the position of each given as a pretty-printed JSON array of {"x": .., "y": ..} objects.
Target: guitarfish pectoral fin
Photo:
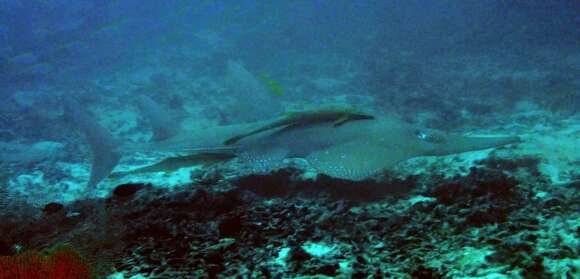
[
  {"x": 259, "y": 161},
  {"x": 356, "y": 160}
]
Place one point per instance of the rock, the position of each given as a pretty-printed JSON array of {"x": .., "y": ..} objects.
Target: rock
[
  {"x": 479, "y": 183},
  {"x": 52, "y": 208},
  {"x": 422, "y": 272},
  {"x": 6, "y": 249},
  {"x": 223, "y": 245},
  {"x": 230, "y": 227},
  {"x": 125, "y": 191},
  {"x": 299, "y": 255},
  {"x": 327, "y": 269},
  {"x": 486, "y": 216}
]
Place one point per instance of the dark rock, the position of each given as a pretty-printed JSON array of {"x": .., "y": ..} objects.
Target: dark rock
[
  {"x": 214, "y": 257},
  {"x": 499, "y": 256},
  {"x": 6, "y": 249},
  {"x": 450, "y": 193},
  {"x": 493, "y": 241},
  {"x": 125, "y": 191},
  {"x": 366, "y": 190},
  {"x": 224, "y": 245},
  {"x": 327, "y": 269},
  {"x": 574, "y": 184},
  {"x": 535, "y": 269},
  {"x": 480, "y": 218},
  {"x": 226, "y": 202},
  {"x": 278, "y": 183},
  {"x": 213, "y": 270},
  {"x": 500, "y": 186},
  {"x": 230, "y": 226},
  {"x": 553, "y": 203},
  {"x": 515, "y": 244},
  {"x": 479, "y": 183},
  {"x": 287, "y": 182},
  {"x": 360, "y": 274},
  {"x": 299, "y": 255},
  {"x": 530, "y": 238},
  {"x": 157, "y": 231},
  {"x": 52, "y": 208},
  {"x": 422, "y": 272},
  {"x": 528, "y": 162}
]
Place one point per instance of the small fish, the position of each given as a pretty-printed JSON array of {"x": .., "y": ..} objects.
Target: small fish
[{"x": 272, "y": 85}]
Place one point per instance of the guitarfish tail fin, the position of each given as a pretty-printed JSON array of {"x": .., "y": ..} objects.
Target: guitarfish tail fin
[{"x": 100, "y": 141}]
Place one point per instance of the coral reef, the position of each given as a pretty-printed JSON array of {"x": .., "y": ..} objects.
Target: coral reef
[{"x": 280, "y": 225}]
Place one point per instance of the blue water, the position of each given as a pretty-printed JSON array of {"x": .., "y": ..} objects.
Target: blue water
[{"x": 85, "y": 37}]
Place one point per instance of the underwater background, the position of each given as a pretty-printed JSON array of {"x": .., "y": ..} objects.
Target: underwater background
[{"x": 139, "y": 91}]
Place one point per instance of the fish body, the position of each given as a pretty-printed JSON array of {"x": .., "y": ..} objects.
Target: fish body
[
  {"x": 333, "y": 144},
  {"x": 354, "y": 150}
]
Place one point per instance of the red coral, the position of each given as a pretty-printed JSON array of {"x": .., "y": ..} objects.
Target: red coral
[{"x": 63, "y": 263}]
